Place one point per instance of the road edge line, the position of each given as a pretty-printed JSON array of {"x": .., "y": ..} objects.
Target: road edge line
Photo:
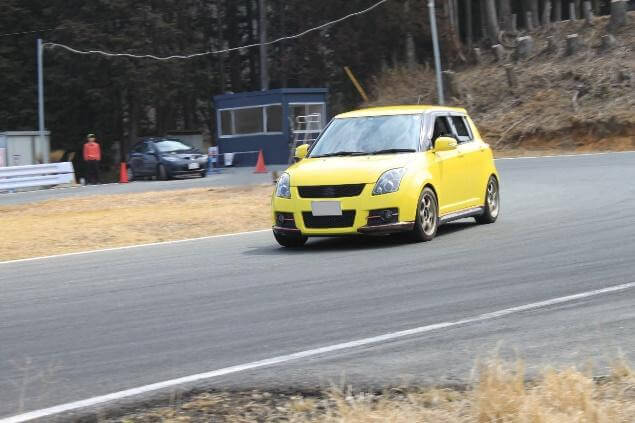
[{"x": 127, "y": 247}]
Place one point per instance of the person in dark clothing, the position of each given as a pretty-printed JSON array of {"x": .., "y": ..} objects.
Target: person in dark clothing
[{"x": 92, "y": 157}]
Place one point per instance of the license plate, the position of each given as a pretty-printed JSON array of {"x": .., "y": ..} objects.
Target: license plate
[
  {"x": 326, "y": 208},
  {"x": 193, "y": 166}
]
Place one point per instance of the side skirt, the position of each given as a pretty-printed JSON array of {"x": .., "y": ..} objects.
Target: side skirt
[{"x": 471, "y": 212}]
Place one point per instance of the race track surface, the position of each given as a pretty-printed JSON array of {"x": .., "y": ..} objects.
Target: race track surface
[{"x": 80, "y": 326}]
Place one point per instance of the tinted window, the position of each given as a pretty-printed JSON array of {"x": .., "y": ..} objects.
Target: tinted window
[
  {"x": 441, "y": 128},
  {"x": 274, "y": 118},
  {"x": 226, "y": 122},
  {"x": 138, "y": 148},
  {"x": 461, "y": 128},
  {"x": 248, "y": 121}
]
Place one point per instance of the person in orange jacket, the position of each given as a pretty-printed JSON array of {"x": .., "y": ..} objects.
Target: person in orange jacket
[{"x": 92, "y": 157}]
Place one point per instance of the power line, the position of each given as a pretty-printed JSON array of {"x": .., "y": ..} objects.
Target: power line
[{"x": 213, "y": 52}]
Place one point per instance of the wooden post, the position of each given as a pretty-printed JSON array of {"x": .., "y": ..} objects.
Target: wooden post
[
  {"x": 557, "y": 11},
  {"x": 573, "y": 44},
  {"x": 529, "y": 21},
  {"x": 512, "y": 79},
  {"x": 572, "y": 15},
  {"x": 588, "y": 13},
  {"x": 524, "y": 47},
  {"x": 546, "y": 14},
  {"x": 477, "y": 56},
  {"x": 499, "y": 52},
  {"x": 608, "y": 42},
  {"x": 552, "y": 47},
  {"x": 618, "y": 14}
]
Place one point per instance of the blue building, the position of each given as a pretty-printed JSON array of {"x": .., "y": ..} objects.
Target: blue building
[{"x": 268, "y": 121}]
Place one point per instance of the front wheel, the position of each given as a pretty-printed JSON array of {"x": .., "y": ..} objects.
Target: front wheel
[
  {"x": 290, "y": 241},
  {"x": 427, "y": 219},
  {"x": 491, "y": 207},
  {"x": 162, "y": 173}
]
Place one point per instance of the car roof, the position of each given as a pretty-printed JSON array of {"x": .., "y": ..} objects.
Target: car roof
[{"x": 398, "y": 110}]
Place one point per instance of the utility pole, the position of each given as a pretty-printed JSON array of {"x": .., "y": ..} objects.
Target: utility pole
[
  {"x": 40, "y": 90},
  {"x": 437, "y": 54},
  {"x": 264, "y": 61}
]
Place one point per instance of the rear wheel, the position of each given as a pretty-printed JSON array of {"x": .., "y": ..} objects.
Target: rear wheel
[
  {"x": 491, "y": 208},
  {"x": 290, "y": 241},
  {"x": 131, "y": 174},
  {"x": 427, "y": 219}
]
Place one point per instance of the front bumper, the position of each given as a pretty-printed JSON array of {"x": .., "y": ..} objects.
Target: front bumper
[{"x": 362, "y": 205}]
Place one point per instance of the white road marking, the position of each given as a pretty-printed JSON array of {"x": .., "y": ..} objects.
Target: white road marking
[
  {"x": 128, "y": 247},
  {"x": 90, "y": 402}
]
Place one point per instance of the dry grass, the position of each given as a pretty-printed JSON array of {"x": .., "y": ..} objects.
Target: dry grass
[
  {"x": 540, "y": 114},
  {"x": 500, "y": 394},
  {"x": 86, "y": 223}
]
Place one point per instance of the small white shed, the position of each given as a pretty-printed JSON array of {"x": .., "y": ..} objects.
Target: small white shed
[{"x": 21, "y": 148}]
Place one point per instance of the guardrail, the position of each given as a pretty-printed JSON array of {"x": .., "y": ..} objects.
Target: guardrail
[{"x": 32, "y": 176}]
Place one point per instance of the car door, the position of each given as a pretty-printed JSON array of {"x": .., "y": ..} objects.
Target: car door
[
  {"x": 136, "y": 159},
  {"x": 449, "y": 164},
  {"x": 150, "y": 158},
  {"x": 472, "y": 154}
]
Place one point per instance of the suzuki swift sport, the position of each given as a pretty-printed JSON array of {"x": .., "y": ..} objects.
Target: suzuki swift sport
[{"x": 386, "y": 170}]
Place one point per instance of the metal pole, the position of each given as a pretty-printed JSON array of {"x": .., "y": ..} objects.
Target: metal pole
[
  {"x": 435, "y": 46},
  {"x": 40, "y": 91},
  {"x": 262, "y": 26}
]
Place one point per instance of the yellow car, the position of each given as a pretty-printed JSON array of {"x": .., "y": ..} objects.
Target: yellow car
[{"x": 387, "y": 170}]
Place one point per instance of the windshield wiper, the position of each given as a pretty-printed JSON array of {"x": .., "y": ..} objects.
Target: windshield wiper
[
  {"x": 342, "y": 153},
  {"x": 394, "y": 150}
]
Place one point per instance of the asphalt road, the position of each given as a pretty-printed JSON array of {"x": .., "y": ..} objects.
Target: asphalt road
[
  {"x": 80, "y": 326},
  {"x": 228, "y": 177}
]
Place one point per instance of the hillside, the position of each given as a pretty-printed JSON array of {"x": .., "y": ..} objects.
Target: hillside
[{"x": 579, "y": 102}]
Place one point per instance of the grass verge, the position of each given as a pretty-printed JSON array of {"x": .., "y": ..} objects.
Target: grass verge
[
  {"x": 69, "y": 224},
  {"x": 500, "y": 393}
]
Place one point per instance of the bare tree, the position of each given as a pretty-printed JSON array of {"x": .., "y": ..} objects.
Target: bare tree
[
  {"x": 491, "y": 20},
  {"x": 618, "y": 14}
]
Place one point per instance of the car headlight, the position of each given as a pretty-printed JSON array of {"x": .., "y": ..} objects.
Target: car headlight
[
  {"x": 283, "y": 187},
  {"x": 171, "y": 158},
  {"x": 389, "y": 181}
]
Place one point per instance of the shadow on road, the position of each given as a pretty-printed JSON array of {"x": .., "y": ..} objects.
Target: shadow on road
[{"x": 353, "y": 243}]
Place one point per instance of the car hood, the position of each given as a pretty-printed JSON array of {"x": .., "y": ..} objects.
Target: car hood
[
  {"x": 184, "y": 156},
  {"x": 345, "y": 170}
]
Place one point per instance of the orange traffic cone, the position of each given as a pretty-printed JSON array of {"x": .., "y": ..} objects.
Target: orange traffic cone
[
  {"x": 260, "y": 164},
  {"x": 123, "y": 174}
]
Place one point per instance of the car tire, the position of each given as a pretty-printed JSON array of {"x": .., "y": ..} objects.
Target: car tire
[
  {"x": 203, "y": 174},
  {"x": 290, "y": 241},
  {"x": 491, "y": 206},
  {"x": 162, "y": 173},
  {"x": 427, "y": 217},
  {"x": 131, "y": 175}
]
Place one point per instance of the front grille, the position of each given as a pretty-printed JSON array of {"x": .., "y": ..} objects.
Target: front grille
[
  {"x": 331, "y": 191},
  {"x": 322, "y": 222}
]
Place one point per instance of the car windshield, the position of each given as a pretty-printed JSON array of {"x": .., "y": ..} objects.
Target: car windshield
[
  {"x": 369, "y": 135},
  {"x": 171, "y": 146}
]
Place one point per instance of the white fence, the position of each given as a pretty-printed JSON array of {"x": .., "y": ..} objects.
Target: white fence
[{"x": 36, "y": 176}]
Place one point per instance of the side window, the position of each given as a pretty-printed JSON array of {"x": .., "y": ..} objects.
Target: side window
[
  {"x": 462, "y": 131},
  {"x": 138, "y": 148},
  {"x": 146, "y": 147},
  {"x": 441, "y": 128}
]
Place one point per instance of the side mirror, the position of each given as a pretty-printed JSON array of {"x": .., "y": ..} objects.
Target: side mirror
[
  {"x": 445, "y": 144},
  {"x": 301, "y": 151}
]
